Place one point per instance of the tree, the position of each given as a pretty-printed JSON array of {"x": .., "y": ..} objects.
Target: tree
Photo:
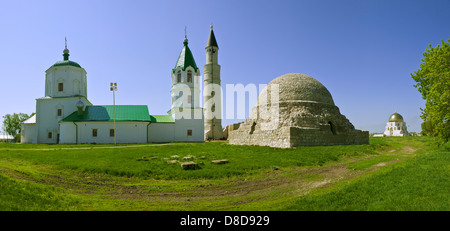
[
  {"x": 11, "y": 124},
  {"x": 433, "y": 82}
]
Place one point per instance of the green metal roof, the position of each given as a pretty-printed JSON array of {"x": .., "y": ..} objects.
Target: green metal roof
[
  {"x": 186, "y": 58},
  {"x": 106, "y": 113},
  {"x": 66, "y": 63},
  {"x": 161, "y": 119}
]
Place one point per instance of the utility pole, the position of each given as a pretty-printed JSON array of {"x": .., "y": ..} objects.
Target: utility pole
[{"x": 114, "y": 89}]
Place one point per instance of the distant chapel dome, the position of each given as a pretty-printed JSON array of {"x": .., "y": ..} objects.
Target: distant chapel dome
[
  {"x": 299, "y": 87},
  {"x": 396, "y": 118}
]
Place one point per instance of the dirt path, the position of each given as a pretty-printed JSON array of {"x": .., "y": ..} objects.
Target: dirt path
[
  {"x": 269, "y": 187},
  {"x": 408, "y": 150}
]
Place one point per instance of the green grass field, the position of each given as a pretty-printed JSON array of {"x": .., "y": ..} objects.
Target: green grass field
[{"x": 391, "y": 173}]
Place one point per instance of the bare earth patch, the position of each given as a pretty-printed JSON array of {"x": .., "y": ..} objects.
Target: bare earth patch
[{"x": 408, "y": 150}]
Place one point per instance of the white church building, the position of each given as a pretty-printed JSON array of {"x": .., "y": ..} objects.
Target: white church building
[{"x": 66, "y": 116}]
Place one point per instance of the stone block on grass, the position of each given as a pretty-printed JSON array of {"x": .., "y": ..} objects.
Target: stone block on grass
[
  {"x": 188, "y": 157},
  {"x": 220, "y": 161},
  {"x": 142, "y": 159},
  {"x": 189, "y": 165}
]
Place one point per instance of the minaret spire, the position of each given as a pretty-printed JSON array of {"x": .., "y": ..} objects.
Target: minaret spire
[
  {"x": 212, "y": 39},
  {"x": 212, "y": 91}
]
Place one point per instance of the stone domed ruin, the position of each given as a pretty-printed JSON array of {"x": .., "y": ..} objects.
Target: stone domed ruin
[{"x": 296, "y": 110}]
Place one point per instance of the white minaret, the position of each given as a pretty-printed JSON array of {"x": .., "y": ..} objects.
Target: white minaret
[{"x": 212, "y": 91}]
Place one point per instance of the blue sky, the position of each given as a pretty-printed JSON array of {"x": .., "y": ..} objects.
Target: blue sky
[{"x": 362, "y": 51}]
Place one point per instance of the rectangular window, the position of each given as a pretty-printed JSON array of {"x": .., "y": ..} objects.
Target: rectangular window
[
  {"x": 60, "y": 86},
  {"x": 111, "y": 132},
  {"x": 59, "y": 112},
  {"x": 189, "y": 132},
  {"x": 189, "y": 98},
  {"x": 50, "y": 135},
  {"x": 94, "y": 132}
]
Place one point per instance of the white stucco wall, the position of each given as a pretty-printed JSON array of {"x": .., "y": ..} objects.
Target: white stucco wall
[
  {"x": 183, "y": 125},
  {"x": 73, "y": 78},
  {"x": 27, "y": 135},
  {"x": 47, "y": 119},
  {"x": 396, "y": 129},
  {"x": 126, "y": 132},
  {"x": 161, "y": 132},
  {"x": 132, "y": 132},
  {"x": 68, "y": 133}
]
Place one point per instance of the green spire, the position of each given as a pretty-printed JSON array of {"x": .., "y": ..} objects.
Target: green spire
[{"x": 186, "y": 58}]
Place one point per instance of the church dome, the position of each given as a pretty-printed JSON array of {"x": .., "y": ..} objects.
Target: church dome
[
  {"x": 298, "y": 87},
  {"x": 396, "y": 118},
  {"x": 66, "y": 63}
]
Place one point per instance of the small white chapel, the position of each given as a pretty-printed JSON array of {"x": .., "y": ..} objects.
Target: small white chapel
[{"x": 396, "y": 126}]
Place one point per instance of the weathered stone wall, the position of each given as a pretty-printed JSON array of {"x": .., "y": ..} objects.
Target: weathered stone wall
[
  {"x": 313, "y": 137},
  {"x": 289, "y": 137},
  {"x": 273, "y": 138},
  {"x": 229, "y": 128}
]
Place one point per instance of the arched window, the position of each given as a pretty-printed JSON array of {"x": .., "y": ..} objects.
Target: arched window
[
  {"x": 179, "y": 77},
  {"x": 189, "y": 76}
]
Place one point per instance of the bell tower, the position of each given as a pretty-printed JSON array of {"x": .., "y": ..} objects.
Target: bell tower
[
  {"x": 212, "y": 93},
  {"x": 185, "y": 90}
]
